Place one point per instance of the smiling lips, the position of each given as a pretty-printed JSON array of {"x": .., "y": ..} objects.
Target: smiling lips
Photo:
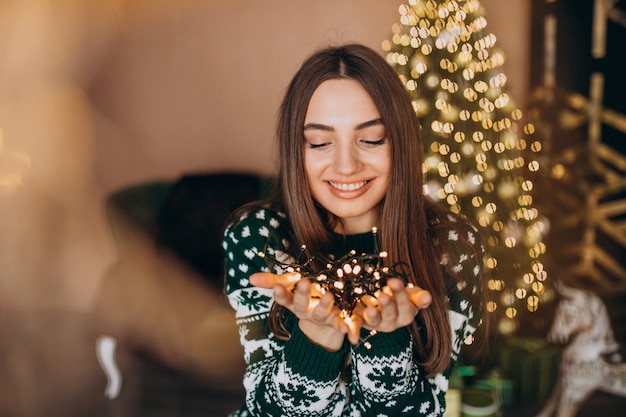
[{"x": 348, "y": 186}]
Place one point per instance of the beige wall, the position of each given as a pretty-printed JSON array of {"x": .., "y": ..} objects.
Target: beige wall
[
  {"x": 93, "y": 98},
  {"x": 197, "y": 87}
]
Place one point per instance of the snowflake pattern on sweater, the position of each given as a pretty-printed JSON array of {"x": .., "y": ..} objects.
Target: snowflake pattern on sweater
[{"x": 296, "y": 377}]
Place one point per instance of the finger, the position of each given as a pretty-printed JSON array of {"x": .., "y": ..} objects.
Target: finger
[
  {"x": 269, "y": 280},
  {"x": 370, "y": 301},
  {"x": 370, "y": 314},
  {"x": 324, "y": 307},
  {"x": 388, "y": 311},
  {"x": 405, "y": 308},
  {"x": 282, "y": 296},
  {"x": 354, "y": 324},
  {"x": 263, "y": 279},
  {"x": 301, "y": 296},
  {"x": 419, "y": 298},
  {"x": 399, "y": 292}
]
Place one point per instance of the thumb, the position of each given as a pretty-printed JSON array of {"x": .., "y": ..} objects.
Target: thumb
[
  {"x": 419, "y": 297},
  {"x": 269, "y": 280},
  {"x": 263, "y": 279}
]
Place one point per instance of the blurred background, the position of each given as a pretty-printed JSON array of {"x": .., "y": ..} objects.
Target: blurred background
[{"x": 97, "y": 97}]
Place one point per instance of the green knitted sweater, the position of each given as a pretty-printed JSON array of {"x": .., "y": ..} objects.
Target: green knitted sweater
[{"x": 298, "y": 378}]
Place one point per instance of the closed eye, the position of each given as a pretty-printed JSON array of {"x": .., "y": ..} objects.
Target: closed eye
[
  {"x": 375, "y": 142},
  {"x": 317, "y": 145}
]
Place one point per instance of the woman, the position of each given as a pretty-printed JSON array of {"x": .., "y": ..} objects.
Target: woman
[{"x": 350, "y": 160}]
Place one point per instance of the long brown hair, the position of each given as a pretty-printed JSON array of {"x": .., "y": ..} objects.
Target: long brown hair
[{"x": 406, "y": 218}]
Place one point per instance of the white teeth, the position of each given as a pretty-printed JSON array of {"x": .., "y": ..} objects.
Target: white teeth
[{"x": 343, "y": 186}]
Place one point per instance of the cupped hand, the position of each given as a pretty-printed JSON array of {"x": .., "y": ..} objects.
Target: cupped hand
[
  {"x": 320, "y": 320},
  {"x": 396, "y": 306}
]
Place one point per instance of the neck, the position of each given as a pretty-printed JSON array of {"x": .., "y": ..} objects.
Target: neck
[{"x": 355, "y": 225}]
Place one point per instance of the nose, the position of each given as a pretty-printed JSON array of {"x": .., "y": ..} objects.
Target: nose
[{"x": 346, "y": 159}]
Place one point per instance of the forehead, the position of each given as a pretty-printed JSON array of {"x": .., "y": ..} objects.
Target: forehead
[{"x": 341, "y": 101}]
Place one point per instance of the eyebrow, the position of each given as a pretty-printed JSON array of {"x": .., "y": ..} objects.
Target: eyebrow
[{"x": 326, "y": 128}]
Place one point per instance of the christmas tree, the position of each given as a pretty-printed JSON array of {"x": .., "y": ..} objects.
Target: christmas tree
[{"x": 481, "y": 158}]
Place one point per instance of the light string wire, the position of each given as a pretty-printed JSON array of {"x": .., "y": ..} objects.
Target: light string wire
[{"x": 350, "y": 278}]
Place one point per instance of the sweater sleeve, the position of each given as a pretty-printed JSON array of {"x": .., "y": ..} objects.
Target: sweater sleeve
[{"x": 293, "y": 377}]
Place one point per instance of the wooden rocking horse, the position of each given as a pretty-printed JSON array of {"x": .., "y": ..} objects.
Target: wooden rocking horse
[{"x": 590, "y": 360}]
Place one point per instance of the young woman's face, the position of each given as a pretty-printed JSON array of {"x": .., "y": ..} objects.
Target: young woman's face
[{"x": 347, "y": 156}]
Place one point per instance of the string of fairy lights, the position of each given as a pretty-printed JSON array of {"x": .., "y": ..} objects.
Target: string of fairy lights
[
  {"x": 351, "y": 279},
  {"x": 480, "y": 156}
]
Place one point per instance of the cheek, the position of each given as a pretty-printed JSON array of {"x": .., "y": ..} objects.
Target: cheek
[
  {"x": 382, "y": 162},
  {"x": 310, "y": 173},
  {"x": 313, "y": 165},
  {"x": 383, "y": 166}
]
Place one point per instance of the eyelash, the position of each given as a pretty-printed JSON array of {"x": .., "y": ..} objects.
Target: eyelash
[
  {"x": 317, "y": 145},
  {"x": 367, "y": 142},
  {"x": 375, "y": 142}
]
